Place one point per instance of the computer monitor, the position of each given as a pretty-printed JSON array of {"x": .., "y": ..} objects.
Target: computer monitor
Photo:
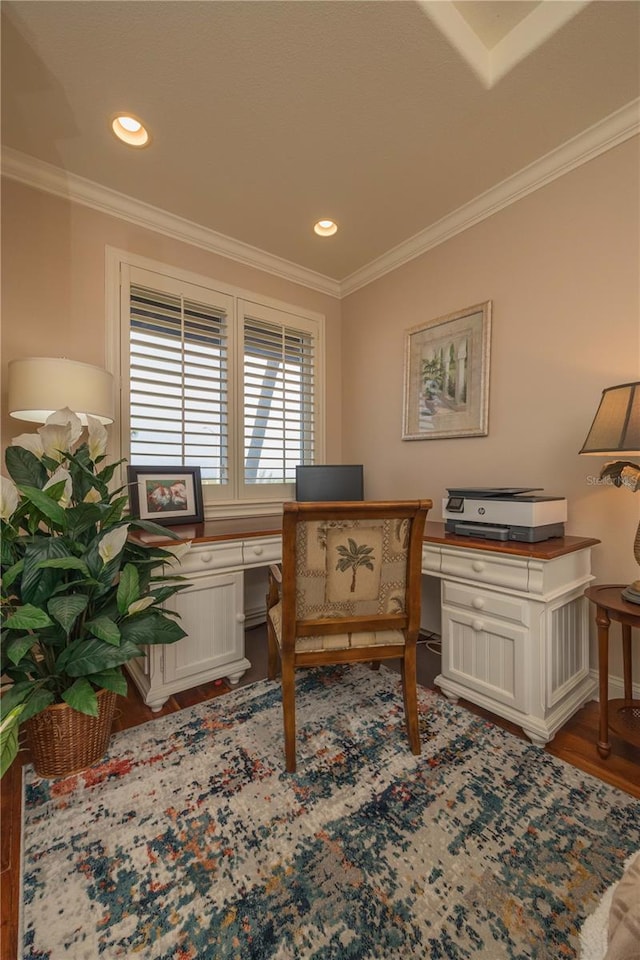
[{"x": 329, "y": 481}]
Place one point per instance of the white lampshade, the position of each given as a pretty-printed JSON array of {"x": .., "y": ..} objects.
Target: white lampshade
[{"x": 38, "y": 386}]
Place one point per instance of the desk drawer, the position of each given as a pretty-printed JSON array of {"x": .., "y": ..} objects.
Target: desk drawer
[
  {"x": 486, "y": 568},
  {"x": 261, "y": 551},
  {"x": 483, "y": 602},
  {"x": 221, "y": 555}
]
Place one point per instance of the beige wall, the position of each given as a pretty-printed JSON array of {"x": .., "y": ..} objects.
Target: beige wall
[
  {"x": 53, "y": 287},
  {"x": 562, "y": 269}
]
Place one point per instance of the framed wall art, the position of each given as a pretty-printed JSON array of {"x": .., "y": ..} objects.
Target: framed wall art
[
  {"x": 166, "y": 495},
  {"x": 446, "y": 377}
]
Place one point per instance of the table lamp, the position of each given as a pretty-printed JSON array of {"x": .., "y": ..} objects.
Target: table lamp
[
  {"x": 38, "y": 386},
  {"x": 615, "y": 430}
]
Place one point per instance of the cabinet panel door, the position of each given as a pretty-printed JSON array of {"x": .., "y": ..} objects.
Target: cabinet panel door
[
  {"x": 487, "y": 655},
  {"x": 211, "y": 611}
]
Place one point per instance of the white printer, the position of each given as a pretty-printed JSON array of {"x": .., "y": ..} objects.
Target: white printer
[{"x": 504, "y": 513}]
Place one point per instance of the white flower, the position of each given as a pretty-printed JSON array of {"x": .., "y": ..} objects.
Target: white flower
[
  {"x": 64, "y": 416},
  {"x": 9, "y": 497},
  {"x": 97, "y": 438},
  {"x": 59, "y": 434},
  {"x": 56, "y": 440},
  {"x": 93, "y": 496},
  {"x": 56, "y": 477},
  {"x": 139, "y": 605},
  {"x": 178, "y": 552},
  {"x": 112, "y": 543},
  {"x": 31, "y": 442}
]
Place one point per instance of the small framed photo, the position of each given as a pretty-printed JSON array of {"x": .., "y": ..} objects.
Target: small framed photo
[
  {"x": 446, "y": 376},
  {"x": 166, "y": 495}
]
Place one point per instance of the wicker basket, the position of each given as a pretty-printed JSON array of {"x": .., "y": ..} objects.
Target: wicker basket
[{"x": 63, "y": 741}]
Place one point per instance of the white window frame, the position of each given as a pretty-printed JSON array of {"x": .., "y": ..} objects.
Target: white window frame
[{"x": 236, "y": 498}]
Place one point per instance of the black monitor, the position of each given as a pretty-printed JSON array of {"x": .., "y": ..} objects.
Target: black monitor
[{"x": 329, "y": 481}]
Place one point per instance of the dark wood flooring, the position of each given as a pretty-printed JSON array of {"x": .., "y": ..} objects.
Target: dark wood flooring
[{"x": 574, "y": 743}]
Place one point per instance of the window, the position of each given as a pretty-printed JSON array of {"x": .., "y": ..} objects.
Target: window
[
  {"x": 278, "y": 378},
  {"x": 216, "y": 380}
]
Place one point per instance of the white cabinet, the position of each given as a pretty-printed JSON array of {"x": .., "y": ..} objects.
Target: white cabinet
[
  {"x": 212, "y": 614},
  {"x": 515, "y": 631}
]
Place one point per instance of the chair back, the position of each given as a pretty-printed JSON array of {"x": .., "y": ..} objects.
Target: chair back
[{"x": 351, "y": 567}]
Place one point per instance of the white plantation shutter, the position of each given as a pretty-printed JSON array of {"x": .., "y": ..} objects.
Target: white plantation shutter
[
  {"x": 212, "y": 380},
  {"x": 279, "y": 401},
  {"x": 178, "y": 383}
]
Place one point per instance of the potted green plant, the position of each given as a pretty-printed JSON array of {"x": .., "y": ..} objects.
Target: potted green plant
[{"x": 79, "y": 597}]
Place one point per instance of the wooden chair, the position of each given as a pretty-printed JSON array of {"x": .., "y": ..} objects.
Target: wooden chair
[{"x": 348, "y": 591}]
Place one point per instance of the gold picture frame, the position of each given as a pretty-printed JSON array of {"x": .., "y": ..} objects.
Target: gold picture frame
[{"x": 446, "y": 377}]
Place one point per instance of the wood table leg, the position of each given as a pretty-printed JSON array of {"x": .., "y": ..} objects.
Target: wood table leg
[
  {"x": 626, "y": 661},
  {"x": 603, "y": 621}
]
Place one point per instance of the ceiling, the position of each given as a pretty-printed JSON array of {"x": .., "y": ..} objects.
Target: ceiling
[{"x": 267, "y": 116}]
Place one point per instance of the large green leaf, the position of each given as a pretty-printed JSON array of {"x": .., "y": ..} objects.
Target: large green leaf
[
  {"x": 17, "y": 647},
  {"x": 84, "y": 657},
  {"x": 38, "y": 584},
  {"x": 110, "y": 680},
  {"x": 128, "y": 588},
  {"x": 45, "y": 504},
  {"x": 27, "y": 617},
  {"x": 24, "y": 467},
  {"x": 10, "y": 575},
  {"x": 67, "y": 609},
  {"x": 16, "y": 694},
  {"x": 9, "y": 739},
  {"x": 64, "y": 563},
  {"x": 152, "y": 527},
  {"x": 82, "y": 697},
  {"x": 39, "y": 699},
  {"x": 82, "y": 517},
  {"x": 152, "y": 627},
  {"x": 104, "y": 628}
]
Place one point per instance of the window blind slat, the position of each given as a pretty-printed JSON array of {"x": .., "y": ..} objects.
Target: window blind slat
[
  {"x": 278, "y": 401},
  {"x": 178, "y": 382}
]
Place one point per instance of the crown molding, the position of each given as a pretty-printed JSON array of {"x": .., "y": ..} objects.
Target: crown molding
[
  {"x": 613, "y": 130},
  {"x": 603, "y": 136},
  {"x": 45, "y": 176}
]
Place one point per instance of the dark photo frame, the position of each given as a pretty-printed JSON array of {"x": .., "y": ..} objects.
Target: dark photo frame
[{"x": 166, "y": 495}]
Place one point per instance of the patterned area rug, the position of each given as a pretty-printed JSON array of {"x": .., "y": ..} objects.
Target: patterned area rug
[{"x": 190, "y": 841}]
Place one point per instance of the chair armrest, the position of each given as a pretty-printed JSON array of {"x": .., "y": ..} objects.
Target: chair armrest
[{"x": 275, "y": 582}]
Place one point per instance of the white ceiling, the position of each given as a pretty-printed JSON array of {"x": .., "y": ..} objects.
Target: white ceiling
[{"x": 266, "y": 116}]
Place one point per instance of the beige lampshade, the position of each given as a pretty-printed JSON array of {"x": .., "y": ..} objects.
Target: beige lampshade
[
  {"x": 616, "y": 426},
  {"x": 38, "y": 386}
]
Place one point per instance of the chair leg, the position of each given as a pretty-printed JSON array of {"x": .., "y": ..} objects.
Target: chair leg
[
  {"x": 289, "y": 713},
  {"x": 272, "y": 661},
  {"x": 410, "y": 697}
]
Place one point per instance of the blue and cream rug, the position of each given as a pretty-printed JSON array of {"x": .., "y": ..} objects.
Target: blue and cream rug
[{"x": 190, "y": 841}]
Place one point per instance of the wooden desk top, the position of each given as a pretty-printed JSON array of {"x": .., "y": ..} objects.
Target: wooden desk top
[{"x": 234, "y": 528}]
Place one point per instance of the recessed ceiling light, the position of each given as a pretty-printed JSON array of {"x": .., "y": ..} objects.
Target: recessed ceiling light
[
  {"x": 130, "y": 130},
  {"x": 325, "y": 228}
]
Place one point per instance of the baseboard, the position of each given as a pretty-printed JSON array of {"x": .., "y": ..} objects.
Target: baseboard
[{"x": 616, "y": 687}]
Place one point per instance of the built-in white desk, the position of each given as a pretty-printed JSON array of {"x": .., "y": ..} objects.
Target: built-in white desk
[{"x": 515, "y": 624}]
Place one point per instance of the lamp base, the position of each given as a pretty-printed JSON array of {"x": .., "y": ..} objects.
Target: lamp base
[{"x": 632, "y": 593}]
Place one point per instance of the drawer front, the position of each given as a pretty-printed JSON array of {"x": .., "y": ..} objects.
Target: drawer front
[
  {"x": 221, "y": 555},
  {"x": 261, "y": 551},
  {"x": 486, "y": 568},
  {"x": 478, "y": 601},
  {"x": 430, "y": 558}
]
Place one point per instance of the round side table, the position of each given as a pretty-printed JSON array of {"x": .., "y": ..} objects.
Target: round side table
[{"x": 621, "y": 716}]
